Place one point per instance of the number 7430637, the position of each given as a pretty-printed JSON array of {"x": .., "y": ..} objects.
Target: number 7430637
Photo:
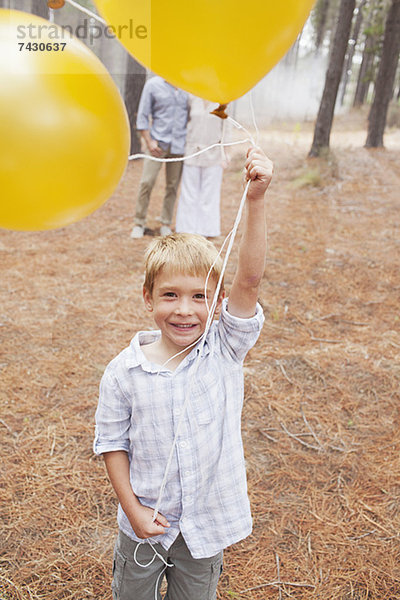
[{"x": 42, "y": 46}]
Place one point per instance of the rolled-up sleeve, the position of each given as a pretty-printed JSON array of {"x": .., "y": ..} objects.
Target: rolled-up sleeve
[
  {"x": 144, "y": 110},
  {"x": 239, "y": 335},
  {"x": 113, "y": 416}
]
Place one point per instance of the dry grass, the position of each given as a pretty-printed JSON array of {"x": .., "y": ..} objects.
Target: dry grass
[{"x": 321, "y": 413}]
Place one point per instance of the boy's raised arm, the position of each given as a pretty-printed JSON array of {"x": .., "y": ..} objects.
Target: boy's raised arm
[{"x": 253, "y": 246}]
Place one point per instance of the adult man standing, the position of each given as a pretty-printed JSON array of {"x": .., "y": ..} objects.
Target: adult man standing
[{"x": 167, "y": 106}]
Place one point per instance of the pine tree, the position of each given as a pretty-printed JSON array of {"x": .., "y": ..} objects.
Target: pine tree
[
  {"x": 351, "y": 49},
  {"x": 324, "y": 121},
  {"x": 376, "y": 11},
  {"x": 385, "y": 78},
  {"x": 320, "y": 15},
  {"x": 40, "y": 8},
  {"x": 134, "y": 81}
]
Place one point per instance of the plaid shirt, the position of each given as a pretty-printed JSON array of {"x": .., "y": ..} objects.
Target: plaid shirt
[{"x": 205, "y": 497}]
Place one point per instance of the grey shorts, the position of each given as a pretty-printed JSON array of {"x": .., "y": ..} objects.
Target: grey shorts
[{"x": 188, "y": 579}]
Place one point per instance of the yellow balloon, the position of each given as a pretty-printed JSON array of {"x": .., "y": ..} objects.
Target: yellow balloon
[
  {"x": 64, "y": 131},
  {"x": 216, "y": 49}
]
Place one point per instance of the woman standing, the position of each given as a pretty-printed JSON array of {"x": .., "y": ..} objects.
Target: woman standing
[{"x": 199, "y": 202}]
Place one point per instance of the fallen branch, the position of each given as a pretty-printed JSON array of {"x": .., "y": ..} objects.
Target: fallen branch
[
  {"x": 278, "y": 584},
  {"x": 295, "y": 437},
  {"x": 269, "y": 437},
  {"x": 282, "y": 368},
  {"x": 309, "y": 428},
  {"x": 316, "y": 339},
  {"x": 278, "y": 570}
]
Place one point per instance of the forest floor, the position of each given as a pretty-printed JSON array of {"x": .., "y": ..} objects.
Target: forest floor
[{"x": 321, "y": 414}]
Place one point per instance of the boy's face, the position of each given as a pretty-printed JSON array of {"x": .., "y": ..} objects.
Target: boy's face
[{"x": 179, "y": 308}]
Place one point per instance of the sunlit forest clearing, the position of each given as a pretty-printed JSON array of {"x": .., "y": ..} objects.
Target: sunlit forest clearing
[{"x": 321, "y": 409}]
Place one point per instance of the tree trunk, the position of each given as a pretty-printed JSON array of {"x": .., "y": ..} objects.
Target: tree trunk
[
  {"x": 321, "y": 18},
  {"x": 351, "y": 50},
  {"x": 40, "y": 8},
  {"x": 385, "y": 78},
  {"x": 292, "y": 55},
  {"x": 134, "y": 81},
  {"x": 398, "y": 85},
  {"x": 323, "y": 124},
  {"x": 376, "y": 10},
  {"x": 366, "y": 72}
]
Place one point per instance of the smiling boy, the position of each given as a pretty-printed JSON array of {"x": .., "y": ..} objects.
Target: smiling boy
[
  {"x": 176, "y": 297},
  {"x": 143, "y": 399}
]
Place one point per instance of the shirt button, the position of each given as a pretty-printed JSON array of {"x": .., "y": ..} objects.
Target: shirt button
[
  {"x": 189, "y": 499},
  {"x": 183, "y": 444},
  {"x": 187, "y": 473},
  {"x": 178, "y": 412}
]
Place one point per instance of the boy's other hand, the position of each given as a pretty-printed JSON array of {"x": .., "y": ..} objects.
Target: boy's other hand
[
  {"x": 258, "y": 169},
  {"x": 143, "y": 524}
]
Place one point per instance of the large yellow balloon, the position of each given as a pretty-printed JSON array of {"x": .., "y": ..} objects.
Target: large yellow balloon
[
  {"x": 217, "y": 49},
  {"x": 64, "y": 133}
]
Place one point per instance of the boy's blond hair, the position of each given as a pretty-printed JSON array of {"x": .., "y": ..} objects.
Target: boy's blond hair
[{"x": 186, "y": 253}]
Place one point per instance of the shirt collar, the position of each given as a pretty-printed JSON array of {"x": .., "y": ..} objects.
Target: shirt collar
[{"x": 137, "y": 358}]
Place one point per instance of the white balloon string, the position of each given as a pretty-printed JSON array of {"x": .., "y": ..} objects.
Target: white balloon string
[
  {"x": 239, "y": 126},
  {"x": 156, "y": 555},
  {"x": 253, "y": 116},
  {"x": 180, "y": 158},
  {"x": 87, "y": 11},
  {"x": 223, "y": 153},
  {"x": 211, "y": 268}
]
